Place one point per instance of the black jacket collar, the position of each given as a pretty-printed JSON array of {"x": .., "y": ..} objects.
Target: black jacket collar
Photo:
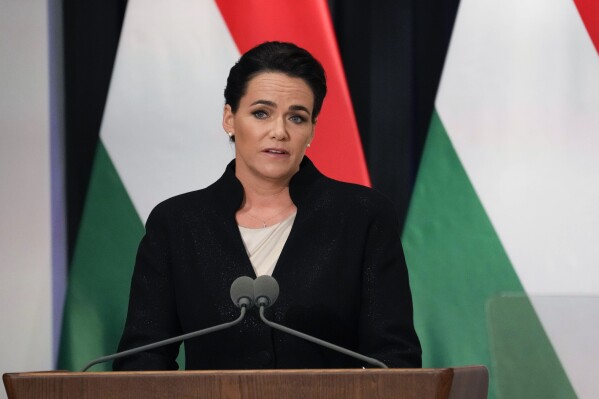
[{"x": 230, "y": 191}]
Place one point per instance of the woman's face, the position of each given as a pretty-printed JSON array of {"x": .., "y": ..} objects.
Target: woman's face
[{"x": 272, "y": 127}]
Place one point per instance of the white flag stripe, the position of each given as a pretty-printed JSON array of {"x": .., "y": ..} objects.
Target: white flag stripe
[
  {"x": 519, "y": 99},
  {"x": 524, "y": 121},
  {"x": 162, "y": 123}
]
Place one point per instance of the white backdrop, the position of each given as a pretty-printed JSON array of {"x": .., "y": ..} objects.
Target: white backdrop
[{"x": 29, "y": 123}]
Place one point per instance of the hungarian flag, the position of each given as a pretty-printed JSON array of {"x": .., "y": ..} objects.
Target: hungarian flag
[
  {"x": 503, "y": 227},
  {"x": 161, "y": 135}
]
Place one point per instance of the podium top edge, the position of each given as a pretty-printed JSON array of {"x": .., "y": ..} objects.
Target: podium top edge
[{"x": 65, "y": 373}]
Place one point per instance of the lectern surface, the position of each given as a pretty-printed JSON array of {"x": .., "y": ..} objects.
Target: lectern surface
[{"x": 246, "y": 384}]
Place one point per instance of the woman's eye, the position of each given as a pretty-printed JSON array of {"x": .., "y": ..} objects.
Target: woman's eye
[
  {"x": 260, "y": 114},
  {"x": 297, "y": 119}
]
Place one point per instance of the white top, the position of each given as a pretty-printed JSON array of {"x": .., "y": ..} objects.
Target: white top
[{"x": 264, "y": 245}]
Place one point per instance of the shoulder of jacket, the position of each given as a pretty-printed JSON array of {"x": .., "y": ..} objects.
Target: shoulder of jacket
[{"x": 182, "y": 203}]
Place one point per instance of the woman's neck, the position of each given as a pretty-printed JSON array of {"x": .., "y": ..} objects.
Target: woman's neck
[
  {"x": 260, "y": 199},
  {"x": 264, "y": 204}
]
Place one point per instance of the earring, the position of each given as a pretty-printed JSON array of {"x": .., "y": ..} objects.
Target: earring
[
  {"x": 308, "y": 145},
  {"x": 230, "y": 134}
]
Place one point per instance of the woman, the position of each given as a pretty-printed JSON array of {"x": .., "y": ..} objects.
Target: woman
[{"x": 333, "y": 247}]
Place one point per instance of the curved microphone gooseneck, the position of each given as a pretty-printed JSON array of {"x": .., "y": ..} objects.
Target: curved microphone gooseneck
[
  {"x": 242, "y": 294},
  {"x": 266, "y": 292}
]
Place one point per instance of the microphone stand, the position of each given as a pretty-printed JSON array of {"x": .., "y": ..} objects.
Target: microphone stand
[
  {"x": 317, "y": 341},
  {"x": 167, "y": 341}
]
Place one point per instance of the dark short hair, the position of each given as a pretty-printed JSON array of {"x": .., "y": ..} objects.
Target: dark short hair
[{"x": 280, "y": 57}]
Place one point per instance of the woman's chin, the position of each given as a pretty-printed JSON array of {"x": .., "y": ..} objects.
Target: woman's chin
[{"x": 276, "y": 173}]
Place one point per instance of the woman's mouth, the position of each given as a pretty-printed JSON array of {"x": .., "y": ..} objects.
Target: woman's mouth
[{"x": 276, "y": 151}]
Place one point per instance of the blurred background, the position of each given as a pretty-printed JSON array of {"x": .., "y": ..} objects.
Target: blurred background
[{"x": 498, "y": 214}]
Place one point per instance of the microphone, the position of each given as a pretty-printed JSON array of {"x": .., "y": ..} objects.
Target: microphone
[
  {"x": 242, "y": 292},
  {"x": 266, "y": 292},
  {"x": 242, "y": 295}
]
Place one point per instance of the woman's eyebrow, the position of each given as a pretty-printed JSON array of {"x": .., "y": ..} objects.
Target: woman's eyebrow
[
  {"x": 299, "y": 108},
  {"x": 264, "y": 102},
  {"x": 274, "y": 105}
]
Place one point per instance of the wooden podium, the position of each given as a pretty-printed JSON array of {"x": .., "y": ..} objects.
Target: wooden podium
[{"x": 451, "y": 383}]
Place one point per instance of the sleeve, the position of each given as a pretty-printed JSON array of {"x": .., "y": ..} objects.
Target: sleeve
[
  {"x": 152, "y": 314},
  {"x": 386, "y": 316}
]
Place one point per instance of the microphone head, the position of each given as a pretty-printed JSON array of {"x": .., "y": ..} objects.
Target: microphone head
[
  {"x": 266, "y": 290},
  {"x": 242, "y": 292}
]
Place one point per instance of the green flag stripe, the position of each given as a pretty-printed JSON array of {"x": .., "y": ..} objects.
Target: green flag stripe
[
  {"x": 101, "y": 269},
  {"x": 457, "y": 264}
]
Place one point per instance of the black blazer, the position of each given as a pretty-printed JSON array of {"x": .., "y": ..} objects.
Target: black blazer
[{"x": 342, "y": 278}]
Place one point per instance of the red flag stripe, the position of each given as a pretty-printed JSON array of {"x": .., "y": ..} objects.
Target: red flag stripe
[
  {"x": 336, "y": 149},
  {"x": 589, "y": 12}
]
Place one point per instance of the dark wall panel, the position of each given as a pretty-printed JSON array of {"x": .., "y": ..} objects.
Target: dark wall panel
[{"x": 91, "y": 33}]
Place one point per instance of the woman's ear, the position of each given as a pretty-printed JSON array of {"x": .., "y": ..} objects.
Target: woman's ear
[
  {"x": 228, "y": 119},
  {"x": 313, "y": 130}
]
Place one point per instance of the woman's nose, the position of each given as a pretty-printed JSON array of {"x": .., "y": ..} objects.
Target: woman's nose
[{"x": 279, "y": 132}]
